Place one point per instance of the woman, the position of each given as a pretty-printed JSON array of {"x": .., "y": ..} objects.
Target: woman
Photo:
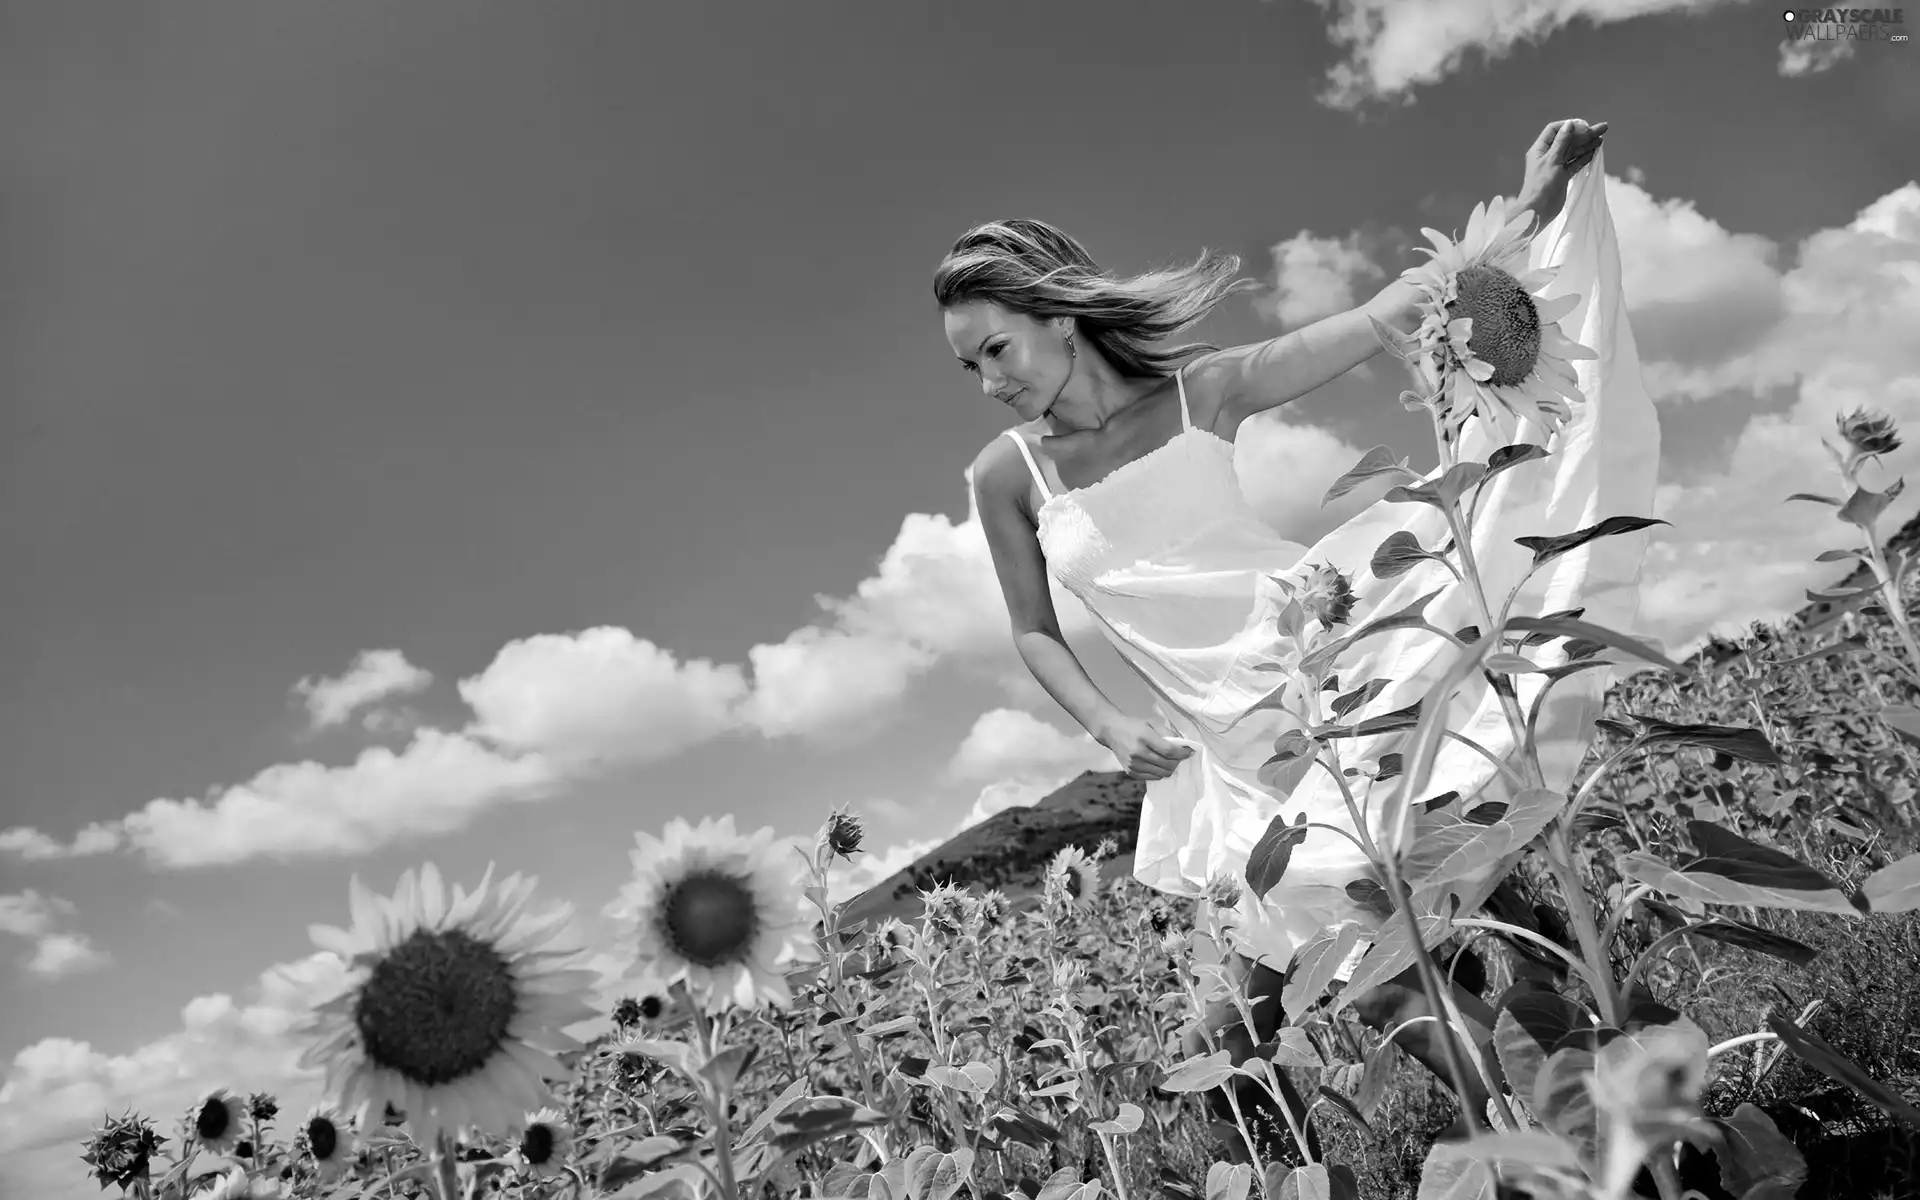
[{"x": 1120, "y": 482}]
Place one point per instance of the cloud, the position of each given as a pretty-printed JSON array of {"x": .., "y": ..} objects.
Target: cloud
[
  {"x": 933, "y": 598},
  {"x": 57, "y": 953},
  {"x": 1394, "y": 46},
  {"x": 597, "y": 697},
  {"x": 1314, "y": 277},
  {"x": 1810, "y": 56},
  {"x": 1006, "y": 742},
  {"x": 1285, "y": 468},
  {"x": 437, "y": 783},
  {"x": 374, "y": 676},
  {"x": 1733, "y": 316},
  {"x": 56, "y": 1089}
]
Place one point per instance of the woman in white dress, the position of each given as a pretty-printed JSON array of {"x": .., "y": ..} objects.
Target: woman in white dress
[{"x": 1119, "y": 483}]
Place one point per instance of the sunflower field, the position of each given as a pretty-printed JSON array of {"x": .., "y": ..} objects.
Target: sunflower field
[{"x": 1694, "y": 974}]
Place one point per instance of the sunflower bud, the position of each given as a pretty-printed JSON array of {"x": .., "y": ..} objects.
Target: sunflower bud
[
  {"x": 1327, "y": 596},
  {"x": 263, "y": 1107},
  {"x": 1223, "y": 891},
  {"x": 121, "y": 1151},
  {"x": 1650, "y": 1081},
  {"x": 626, "y": 1012},
  {"x": 842, "y": 835},
  {"x": 1869, "y": 432},
  {"x": 946, "y": 908}
]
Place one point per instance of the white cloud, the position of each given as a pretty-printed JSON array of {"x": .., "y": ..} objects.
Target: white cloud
[
  {"x": 374, "y": 676},
  {"x": 56, "y": 1089},
  {"x": 600, "y": 696},
  {"x": 59, "y": 955},
  {"x": 1394, "y": 46},
  {"x": 304, "y": 809},
  {"x": 1008, "y": 742},
  {"x": 1810, "y": 56},
  {"x": 57, "y": 952},
  {"x": 1285, "y": 468},
  {"x": 1724, "y": 315},
  {"x": 933, "y": 598},
  {"x": 1315, "y": 277}
]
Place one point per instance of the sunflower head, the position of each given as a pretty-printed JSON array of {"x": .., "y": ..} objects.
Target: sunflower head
[
  {"x": 841, "y": 835},
  {"x": 626, "y": 1012},
  {"x": 1072, "y": 879},
  {"x": 716, "y": 911},
  {"x": 546, "y": 1143},
  {"x": 219, "y": 1121},
  {"x": 329, "y": 1139},
  {"x": 945, "y": 907},
  {"x": 1223, "y": 891},
  {"x": 993, "y": 907},
  {"x": 1488, "y": 342},
  {"x": 1868, "y": 433},
  {"x": 454, "y": 1008},
  {"x": 121, "y": 1150},
  {"x": 1327, "y": 596}
]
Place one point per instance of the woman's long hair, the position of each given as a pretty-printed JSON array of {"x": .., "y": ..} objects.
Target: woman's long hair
[{"x": 1032, "y": 267}]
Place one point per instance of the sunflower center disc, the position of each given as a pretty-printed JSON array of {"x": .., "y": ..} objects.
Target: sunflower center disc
[
  {"x": 1506, "y": 325},
  {"x": 536, "y": 1144},
  {"x": 322, "y": 1138},
  {"x": 213, "y": 1121},
  {"x": 710, "y": 919},
  {"x": 437, "y": 1007}
]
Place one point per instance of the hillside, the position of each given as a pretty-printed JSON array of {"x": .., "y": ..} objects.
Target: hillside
[{"x": 1009, "y": 849}]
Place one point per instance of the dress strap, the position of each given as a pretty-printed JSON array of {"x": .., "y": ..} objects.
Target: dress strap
[
  {"x": 1026, "y": 452},
  {"x": 1186, "y": 418}
]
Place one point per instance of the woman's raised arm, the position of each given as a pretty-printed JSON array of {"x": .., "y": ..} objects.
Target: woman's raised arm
[{"x": 1262, "y": 375}]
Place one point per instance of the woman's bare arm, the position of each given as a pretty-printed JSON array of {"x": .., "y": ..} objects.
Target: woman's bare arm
[
  {"x": 1000, "y": 485},
  {"x": 1262, "y": 375}
]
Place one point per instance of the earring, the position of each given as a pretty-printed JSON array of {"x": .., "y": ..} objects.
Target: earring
[{"x": 1073, "y": 351}]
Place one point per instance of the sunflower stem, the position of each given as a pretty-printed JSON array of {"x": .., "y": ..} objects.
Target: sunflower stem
[{"x": 446, "y": 1171}]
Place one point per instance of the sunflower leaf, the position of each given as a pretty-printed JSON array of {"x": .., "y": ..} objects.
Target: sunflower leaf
[
  {"x": 1508, "y": 457},
  {"x": 1373, "y": 464},
  {"x": 1815, "y": 499},
  {"x": 1864, "y": 507},
  {"x": 1814, "y": 1050},
  {"x": 1546, "y": 549},
  {"x": 1595, "y": 633},
  {"x": 1399, "y": 553},
  {"x": 1268, "y": 861}
]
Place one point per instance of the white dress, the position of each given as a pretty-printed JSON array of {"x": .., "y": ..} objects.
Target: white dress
[{"x": 1173, "y": 563}]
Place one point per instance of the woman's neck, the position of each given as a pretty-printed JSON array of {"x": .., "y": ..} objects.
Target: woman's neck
[{"x": 1091, "y": 400}]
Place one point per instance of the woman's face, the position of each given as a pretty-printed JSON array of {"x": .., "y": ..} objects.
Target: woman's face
[{"x": 1021, "y": 362}]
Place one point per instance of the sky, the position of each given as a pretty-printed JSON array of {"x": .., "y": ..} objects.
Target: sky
[{"x": 473, "y": 432}]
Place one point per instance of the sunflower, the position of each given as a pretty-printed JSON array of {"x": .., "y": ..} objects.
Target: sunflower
[
  {"x": 1072, "y": 876},
  {"x": 453, "y": 1012},
  {"x": 220, "y": 1122},
  {"x": 946, "y": 907},
  {"x": 716, "y": 910},
  {"x": 546, "y": 1143},
  {"x": 329, "y": 1139},
  {"x": 1488, "y": 340},
  {"x": 121, "y": 1150}
]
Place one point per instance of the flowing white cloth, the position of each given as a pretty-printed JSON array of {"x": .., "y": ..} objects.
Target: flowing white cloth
[{"x": 1174, "y": 565}]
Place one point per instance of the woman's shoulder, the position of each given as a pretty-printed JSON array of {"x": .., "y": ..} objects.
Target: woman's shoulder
[{"x": 999, "y": 467}]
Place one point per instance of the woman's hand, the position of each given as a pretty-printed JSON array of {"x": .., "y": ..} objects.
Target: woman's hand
[
  {"x": 1555, "y": 157},
  {"x": 1146, "y": 750}
]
